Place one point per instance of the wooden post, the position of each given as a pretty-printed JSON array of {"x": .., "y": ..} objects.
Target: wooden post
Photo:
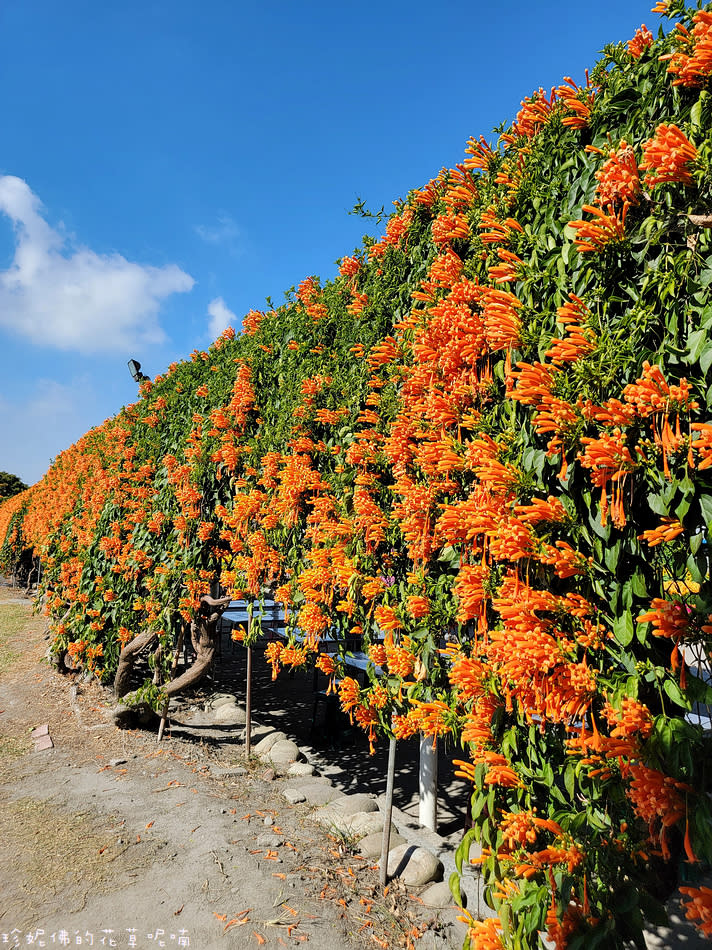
[
  {"x": 428, "y": 783},
  {"x": 164, "y": 714},
  {"x": 248, "y": 691},
  {"x": 386, "y": 841}
]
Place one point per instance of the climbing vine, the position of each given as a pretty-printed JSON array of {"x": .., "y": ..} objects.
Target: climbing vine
[{"x": 483, "y": 451}]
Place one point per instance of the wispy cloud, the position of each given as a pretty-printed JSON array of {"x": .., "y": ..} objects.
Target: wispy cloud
[
  {"x": 71, "y": 297},
  {"x": 221, "y": 317},
  {"x": 224, "y": 232}
]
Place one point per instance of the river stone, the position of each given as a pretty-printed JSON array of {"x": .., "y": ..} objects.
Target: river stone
[
  {"x": 358, "y": 824},
  {"x": 317, "y": 791},
  {"x": 437, "y": 895},
  {"x": 414, "y": 865},
  {"x": 221, "y": 699},
  {"x": 283, "y": 753},
  {"x": 230, "y": 714},
  {"x": 370, "y": 846},
  {"x": 264, "y": 745},
  {"x": 351, "y": 804},
  {"x": 300, "y": 770},
  {"x": 367, "y": 823}
]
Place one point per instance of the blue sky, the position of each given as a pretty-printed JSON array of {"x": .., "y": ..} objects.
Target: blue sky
[{"x": 165, "y": 165}]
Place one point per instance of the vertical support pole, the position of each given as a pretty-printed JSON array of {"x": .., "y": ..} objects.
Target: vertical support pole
[
  {"x": 248, "y": 691},
  {"x": 386, "y": 842},
  {"x": 164, "y": 714},
  {"x": 428, "y": 783}
]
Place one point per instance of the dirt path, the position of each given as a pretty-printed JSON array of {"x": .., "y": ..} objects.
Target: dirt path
[{"x": 107, "y": 839}]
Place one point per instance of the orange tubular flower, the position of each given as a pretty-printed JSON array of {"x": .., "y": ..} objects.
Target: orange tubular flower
[
  {"x": 597, "y": 234},
  {"x": 670, "y": 618},
  {"x": 418, "y": 606},
  {"x": 483, "y": 934},
  {"x": 404, "y": 726},
  {"x": 386, "y": 618},
  {"x": 481, "y": 154},
  {"x": 692, "y": 64},
  {"x": 642, "y": 40},
  {"x": 578, "y": 101},
  {"x": 500, "y": 317},
  {"x": 699, "y": 908},
  {"x": 447, "y": 227},
  {"x": 667, "y": 156},
  {"x": 669, "y": 529},
  {"x": 618, "y": 178},
  {"x": 273, "y": 653},
  {"x": 609, "y": 459},
  {"x": 401, "y": 662},
  {"x": 349, "y": 694}
]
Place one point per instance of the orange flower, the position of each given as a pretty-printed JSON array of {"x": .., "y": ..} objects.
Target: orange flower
[
  {"x": 386, "y": 618},
  {"x": 418, "y": 606},
  {"x": 618, "y": 178},
  {"x": 669, "y": 529},
  {"x": 642, "y": 40},
  {"x": 595, "y": 235},
  {"x": 401, "y": 661},
  {"x": 273, "y": 653},
  {"x": 349, "y": 692},
  {"x": 692, "y": 64},
  {"x": 483, "y": 934},
  {"x": 667, "y": 156},
  {"x": 699, "y": 908}
]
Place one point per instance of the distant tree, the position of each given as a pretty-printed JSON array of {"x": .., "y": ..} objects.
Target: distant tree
[{"x": 10, "y": 485}]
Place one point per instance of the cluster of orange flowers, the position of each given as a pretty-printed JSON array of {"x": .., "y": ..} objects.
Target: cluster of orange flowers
[{"x": 691, "y": 64}]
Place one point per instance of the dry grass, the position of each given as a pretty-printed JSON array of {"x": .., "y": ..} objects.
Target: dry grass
[{"x": 59, "y": 858}]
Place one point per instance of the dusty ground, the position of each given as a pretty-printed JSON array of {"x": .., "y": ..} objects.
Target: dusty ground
[{"x": 110, "y": 840}]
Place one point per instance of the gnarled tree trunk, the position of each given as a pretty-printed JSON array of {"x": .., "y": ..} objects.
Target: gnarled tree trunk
[
  {"x": 127, "y": 658},
  {"x": 204, "y": 637}
]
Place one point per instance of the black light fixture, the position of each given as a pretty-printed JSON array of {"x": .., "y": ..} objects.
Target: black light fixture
[{"x": 135, "y": 370}]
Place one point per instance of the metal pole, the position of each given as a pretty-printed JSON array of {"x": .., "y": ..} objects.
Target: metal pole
[
  {"x": 428, "y": 783},
  {"x": 386, "y": 842},
  {"x": 248, "y": 692}
]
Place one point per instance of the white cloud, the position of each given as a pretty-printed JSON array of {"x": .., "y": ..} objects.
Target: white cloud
[
  {"x": 72, "y": 297},
  {"x": 221, "y": 317},
  {"x": 224, "y": 232}
]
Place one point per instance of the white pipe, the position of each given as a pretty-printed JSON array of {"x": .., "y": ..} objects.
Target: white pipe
[{"x": 428, "y": 783}]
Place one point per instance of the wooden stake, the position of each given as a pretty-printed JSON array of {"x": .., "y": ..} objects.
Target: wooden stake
[
  {"x": 164, "y": 716},
  {"x": 386, "y": 841},
  {"x": 248, "y": 692}
]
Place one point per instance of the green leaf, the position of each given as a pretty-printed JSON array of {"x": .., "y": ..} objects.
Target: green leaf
[
  {"x": 454, "y": 884},
  {"x": 674, "y": 693},
  {"x": 706, "y": 508},
  {"x": 624, "y": 628}
]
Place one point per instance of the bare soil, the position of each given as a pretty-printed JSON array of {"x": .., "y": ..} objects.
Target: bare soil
[{"x": 108, "y": 839}]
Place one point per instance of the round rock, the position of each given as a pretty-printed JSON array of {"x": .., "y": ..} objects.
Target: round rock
[
  {"x": 414, "y": 865},
  {"x": 370, "y": 846},
  {"x": 264, "y": 745},
  {"x": 351, "y": 804},
  {"x": 437, "y": 895},
  {"x": 221, "y": 699},
  {"x": 230, "y": 714},
  {"x": 283, "y": 753}
]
